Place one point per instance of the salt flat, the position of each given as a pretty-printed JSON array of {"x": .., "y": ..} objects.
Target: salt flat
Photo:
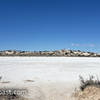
[{"x": 48, "y": 78}]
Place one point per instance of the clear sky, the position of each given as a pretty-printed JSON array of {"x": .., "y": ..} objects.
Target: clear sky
[{"x": 50, "y": 24}]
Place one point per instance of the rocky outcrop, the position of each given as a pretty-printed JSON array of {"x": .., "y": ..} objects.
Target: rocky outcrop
[{"x": 63, "y": 52}]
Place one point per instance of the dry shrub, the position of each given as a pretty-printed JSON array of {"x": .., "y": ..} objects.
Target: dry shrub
[
  {"x": 89, "y": 89},
  {"x": 91, "y": 81}
]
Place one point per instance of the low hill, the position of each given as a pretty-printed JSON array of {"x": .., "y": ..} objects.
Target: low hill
[{"x": 64, "y": 52}]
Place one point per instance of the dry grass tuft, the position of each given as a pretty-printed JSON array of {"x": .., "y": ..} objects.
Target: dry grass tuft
[
  {"x": 91, "y": 81},
  {"x": 89, "y": 89}
]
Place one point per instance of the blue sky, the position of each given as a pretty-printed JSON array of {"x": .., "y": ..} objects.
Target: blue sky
[{"x": 50, "y": 24}]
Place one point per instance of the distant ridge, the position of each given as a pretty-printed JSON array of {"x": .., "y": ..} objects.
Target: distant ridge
[{"x": 63, "y": 52}]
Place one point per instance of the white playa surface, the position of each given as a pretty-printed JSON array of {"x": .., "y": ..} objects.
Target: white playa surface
[{"x": 47, "y": 78}]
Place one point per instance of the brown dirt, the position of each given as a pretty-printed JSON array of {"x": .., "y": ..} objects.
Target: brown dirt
[{"x": 89, "y": 93}]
